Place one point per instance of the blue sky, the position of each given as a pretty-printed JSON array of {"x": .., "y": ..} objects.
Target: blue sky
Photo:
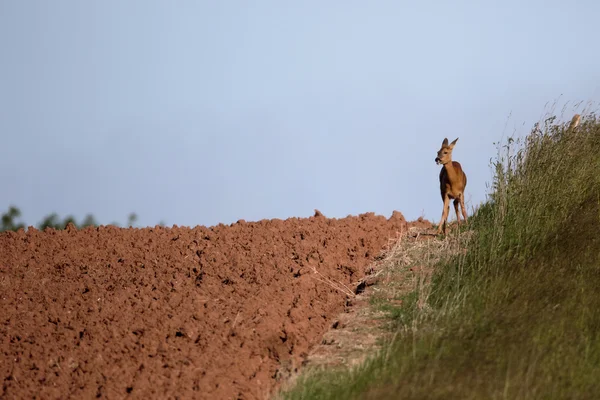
[{"x": 198, "y": 112}]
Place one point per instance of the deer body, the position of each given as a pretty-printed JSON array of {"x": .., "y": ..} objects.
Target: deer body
[{"x": 453, "y": 181}]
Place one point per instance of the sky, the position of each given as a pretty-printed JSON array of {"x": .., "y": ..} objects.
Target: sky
[{"x": 205, "y": 112}]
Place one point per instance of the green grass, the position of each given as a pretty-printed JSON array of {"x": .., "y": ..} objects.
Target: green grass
[{"x": 518, "y": 315}]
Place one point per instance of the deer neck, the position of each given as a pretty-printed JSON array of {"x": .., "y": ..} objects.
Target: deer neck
[{"x": 452, "y": 172}]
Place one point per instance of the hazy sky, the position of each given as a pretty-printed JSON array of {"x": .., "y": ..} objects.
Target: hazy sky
[{"x": 200, "y": 112}]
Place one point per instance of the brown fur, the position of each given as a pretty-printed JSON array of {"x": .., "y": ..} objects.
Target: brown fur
[
  {"x": 453, "y": 181},
  {"x": 575, "y": 121}
]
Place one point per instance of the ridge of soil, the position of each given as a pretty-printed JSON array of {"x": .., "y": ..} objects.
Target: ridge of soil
[
  {"x": 176, "y": 312},
  {"x": 359, "y": 331}
]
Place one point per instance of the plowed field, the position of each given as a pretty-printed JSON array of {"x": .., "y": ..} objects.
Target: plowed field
[{"x": 206, "y": 313}]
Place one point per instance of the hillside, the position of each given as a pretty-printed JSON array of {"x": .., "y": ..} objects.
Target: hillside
[{"x": 515, "y": 312}]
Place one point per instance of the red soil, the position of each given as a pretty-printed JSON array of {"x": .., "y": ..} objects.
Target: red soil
[{"x": 174, "y": 312}]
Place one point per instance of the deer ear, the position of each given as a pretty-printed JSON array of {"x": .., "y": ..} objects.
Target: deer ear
[
  {"x": 445, "y": 142},
  {"x": 453, "y": 142}
]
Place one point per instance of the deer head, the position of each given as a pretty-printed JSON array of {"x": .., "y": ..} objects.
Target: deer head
[{"x": 444, "y": 155}]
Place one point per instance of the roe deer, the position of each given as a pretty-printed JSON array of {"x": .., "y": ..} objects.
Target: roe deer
[
  {"x": 574, "y": 122},
  {"x": 452, "y": 183}
]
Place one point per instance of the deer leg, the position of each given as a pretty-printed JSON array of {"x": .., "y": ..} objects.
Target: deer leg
[
  {"x": 445, "y": 212},
  {"x": 456, "y": 210},
  {"x": 462, "y": 206}
]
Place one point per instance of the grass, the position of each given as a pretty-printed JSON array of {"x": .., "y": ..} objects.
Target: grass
[{"x": 516, "y": 316}]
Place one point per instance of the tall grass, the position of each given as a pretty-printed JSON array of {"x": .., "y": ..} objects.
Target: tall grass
[{"x": 518, "y": 315}]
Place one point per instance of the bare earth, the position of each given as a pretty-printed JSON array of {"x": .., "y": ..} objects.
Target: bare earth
[{"x": 206, "y": 313}]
